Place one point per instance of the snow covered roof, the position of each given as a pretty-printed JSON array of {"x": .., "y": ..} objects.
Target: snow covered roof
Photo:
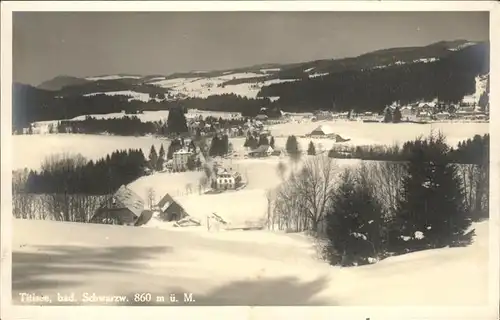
[
  {"x": 322, "y": 129},
  {"x": 126, "y": 198},
  {"x": 237, "y": 208},
  {"x": 165, "y": 202},
  {"x": 182, "y": 151}
]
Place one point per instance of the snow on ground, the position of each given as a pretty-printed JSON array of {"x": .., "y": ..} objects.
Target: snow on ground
[
  {"x": 270, "y": 70},
  {"x": 362, "y": 133},
  {"x": 30, "y": 150},
  {"x": 239, "y": 209},
  {"x": 462, "y": 46},
  {"x": 235, "y": 267},
  {"x": 315, "y": 75},
  {"x": 112, "y": 77},
  {"x": 127, "y": 93},
  {"x": 203, "y": 87},
  {"x": 481, "y": 83},
  {"x": 42, "y": 127},
  {"x": 398, "y": 63},
  {"x": 165, "y": 182}
]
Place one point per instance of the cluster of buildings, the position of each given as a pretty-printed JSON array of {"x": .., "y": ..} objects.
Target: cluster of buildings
[
  {"x": 125, "y": 207},
  {"x": 439, "y": 111}
]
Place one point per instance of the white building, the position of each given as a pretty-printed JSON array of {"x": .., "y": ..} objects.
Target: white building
[
  {"x": 225, "y": 180},
  {"x": 180, "y": 159}
]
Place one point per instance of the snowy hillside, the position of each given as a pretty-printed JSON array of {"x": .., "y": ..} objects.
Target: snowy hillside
[
  {"x": 203, "y": 87},
  {"x": 481, "y": 84},
  {"x": 112, "y": 77},
  {"x": 236, "y": 267}
]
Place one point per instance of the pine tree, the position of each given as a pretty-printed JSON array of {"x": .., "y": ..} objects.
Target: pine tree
[
  {"x": 353, "y": 221},
  {"x": 311, "y": 150},
  {"x": 387, "y": 115},
  {"x": 176, "y": 121},
  {"x": 263, "y": 141},
  {"x": 432, "y": 211},
  {"x": 271, "y": 142},
  {"x": 292, "y": 148},
  {"x": 224, "y": 145},
  {"x": 214, "y": 146},
  {"x": 161, "y": 158},
  {"x": 396, "y": 117},
  {"x": 153, "y": 157}
]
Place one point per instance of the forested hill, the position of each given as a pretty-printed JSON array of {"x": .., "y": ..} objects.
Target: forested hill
[
  {"x": 448, "y": 79},
  {"x": 444, "y": 70}
]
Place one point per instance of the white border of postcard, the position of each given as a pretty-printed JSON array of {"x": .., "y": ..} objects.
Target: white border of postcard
[{"x": 25, "y": 312}]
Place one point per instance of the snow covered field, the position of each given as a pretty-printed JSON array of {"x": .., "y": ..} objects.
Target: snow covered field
[
  {"x": 362, "y": 133},
  {"x": 42, "y": 127},
  {"x": 235, "y": 267},
  {"x": 203, "y": 87},
  {"x": 30, "y": 150}
]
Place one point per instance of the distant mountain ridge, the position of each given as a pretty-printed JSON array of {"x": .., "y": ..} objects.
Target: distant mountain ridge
[
  {"x": 60, "y": 82},
  {"x": 446, "y": 70},
  {"x": 367, "y": 60}
]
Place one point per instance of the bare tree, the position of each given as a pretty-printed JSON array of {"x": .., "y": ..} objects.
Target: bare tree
[
  {"x": 60, "y": 202},
  {"x": 302, "y": 200},
  {"x": 269, "y": 197},
  {"x": 151, "y": 196},
  {"x": 388, "y": 177},
  {"x": 315, "y": 183},
  {"x": 189, "y": 188}
]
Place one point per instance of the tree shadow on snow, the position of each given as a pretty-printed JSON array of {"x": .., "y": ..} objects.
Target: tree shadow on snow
[{"x": 57, "y": 267}]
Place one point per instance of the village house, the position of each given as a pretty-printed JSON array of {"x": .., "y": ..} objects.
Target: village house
[
  {"x": 407, "y": 112},
  {"x": 323, "y": 115},
  {"x": 169, "y": 209},
  {"x": 261, "y": 151},
  {"x": 224, "y": 180},
  {"x": 425, "y": 108},
  {"x": 124, "y": 207},
  {"x": 180, "y": 159},
  {"x": 322, "y": 131}
]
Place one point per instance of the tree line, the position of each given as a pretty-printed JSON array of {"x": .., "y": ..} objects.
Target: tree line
[
  {"x": 365, "y": 213},
  {"x": 73, "y": 174},
  {"x": 31, "y": 104},
  {"x": 471, "y": 151}
]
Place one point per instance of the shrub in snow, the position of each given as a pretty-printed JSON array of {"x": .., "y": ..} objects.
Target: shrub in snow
[
  {"x": 353, "y": 222},
  {"x": 432, "y": 198}
]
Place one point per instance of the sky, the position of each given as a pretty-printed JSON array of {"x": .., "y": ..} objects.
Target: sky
[{"x": 48, "y": 44}]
